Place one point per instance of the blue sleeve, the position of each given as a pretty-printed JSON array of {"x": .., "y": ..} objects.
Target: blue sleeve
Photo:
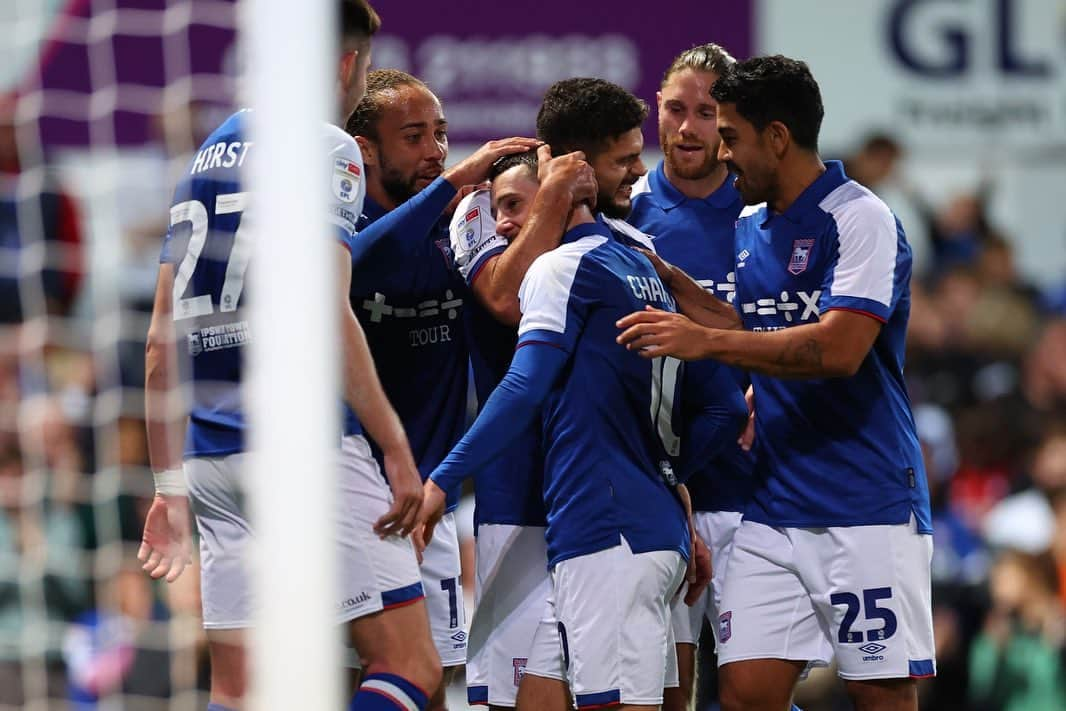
[
  {"x": 513, "y": 405},
  {"x": 406, "y": 227},
  {"x": 715, "y": 413}
]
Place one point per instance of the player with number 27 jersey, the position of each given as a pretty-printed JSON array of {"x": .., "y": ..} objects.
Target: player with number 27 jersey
[{"x": 209, "y": 243}]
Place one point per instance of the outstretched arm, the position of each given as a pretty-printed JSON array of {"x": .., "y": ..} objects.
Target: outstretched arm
[
  {"x": 513, "y": 404},
  {"x": 834, "y": 347}
]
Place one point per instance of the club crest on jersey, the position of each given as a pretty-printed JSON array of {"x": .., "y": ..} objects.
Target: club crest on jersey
[
  {"x": 801, "y": 255},
  {"x": 445, "y": 248}
]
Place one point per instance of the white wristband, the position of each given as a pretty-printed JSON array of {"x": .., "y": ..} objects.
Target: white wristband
[{"x": 170, "y": 483}]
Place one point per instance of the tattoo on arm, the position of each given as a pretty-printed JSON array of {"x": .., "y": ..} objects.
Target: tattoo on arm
[{"x": 801, "y": 358}]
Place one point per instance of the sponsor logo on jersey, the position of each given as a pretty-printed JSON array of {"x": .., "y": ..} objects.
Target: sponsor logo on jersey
[
  {"x": 800, "y": 257},
  {"x": 346, "y": 166},
  {"x": 351, "y": 602},
  {"x": 799, "y": 309},
  {"x": 217, "y": 338}
]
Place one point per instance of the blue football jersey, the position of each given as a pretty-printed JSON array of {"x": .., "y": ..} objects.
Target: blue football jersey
[
  {"x": 209, "y": 244},
  {"x": 609, "y": 425},
  {"x": 697, "y": 236},
  {"x": 834, "y": 451},
  {"x": 411, "y": 301},
  {"x": 509, "y": 490}
]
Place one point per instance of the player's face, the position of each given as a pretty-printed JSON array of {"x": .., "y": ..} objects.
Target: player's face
[
  {"x": 512, "y": 196},
  {"x": 412, "y": 142},
  {"x": 617, "y": 167},
  {"x": 748, "y": 155},
  {"x": 688, "y": 124}
]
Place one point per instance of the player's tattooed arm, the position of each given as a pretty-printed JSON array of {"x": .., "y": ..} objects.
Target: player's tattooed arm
[
  {"x": 692, "y": 299},
  {"x": 834, "y": 347}
]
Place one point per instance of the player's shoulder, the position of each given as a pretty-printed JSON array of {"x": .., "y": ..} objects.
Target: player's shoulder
[
  {"x": 340, "y": 145},
  {"x": 852, "y": 205},
  {"x": 629, "y": 232},
  {"x": 472, "y": 222},
  {"x": 751, "y": 219}
]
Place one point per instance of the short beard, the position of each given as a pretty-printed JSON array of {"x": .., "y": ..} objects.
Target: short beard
[
  {"x": 607, "y": 205},
  {"x": 699, "y": 172},
  {"x": 396, "y": 186}
]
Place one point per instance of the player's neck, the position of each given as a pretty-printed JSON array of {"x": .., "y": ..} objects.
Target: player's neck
[
  {"x": 580, "y": 215},
  {"x": 699, "y": 188},
  {"x": 376, "y": 192},
  {"x": 794, "y": 177}
]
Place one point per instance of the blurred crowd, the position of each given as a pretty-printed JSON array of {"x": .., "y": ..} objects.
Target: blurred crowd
[{"x": 79, "y": 621}]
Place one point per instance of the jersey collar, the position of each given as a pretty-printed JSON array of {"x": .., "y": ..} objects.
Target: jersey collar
[
  {"x": 585, "y": 230},
  {"x": 668, "y": 197},
  {"x": 373, "y": 211},
  {"x": 808, "y": 200}
]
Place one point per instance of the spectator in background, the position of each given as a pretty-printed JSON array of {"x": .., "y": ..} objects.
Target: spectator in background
[
  {"x": 1016, "y": 663},
  {"x": 40, "y": 233},
  {"x": 1044, "y": 376}
]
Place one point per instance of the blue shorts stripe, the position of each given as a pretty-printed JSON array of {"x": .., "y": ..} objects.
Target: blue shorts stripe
[
  {"x": 599, "y": 700},
  {"x": 477, "y": 695},
  {"x": 402, "y": 596},
  {"x": 922, "y": 667}
]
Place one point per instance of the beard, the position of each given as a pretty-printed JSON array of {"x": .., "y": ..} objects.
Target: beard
[
  {"x": 688, "y": 170},
  {"x": 400, "y": 188},
  {"x": 610, "y": 206}
]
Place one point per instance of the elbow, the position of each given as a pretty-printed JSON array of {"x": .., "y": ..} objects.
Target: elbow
[{"x": 505, "y": 309}]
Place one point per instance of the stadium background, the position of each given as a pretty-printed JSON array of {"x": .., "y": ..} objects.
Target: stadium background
[{"x": 953, "y": 111}]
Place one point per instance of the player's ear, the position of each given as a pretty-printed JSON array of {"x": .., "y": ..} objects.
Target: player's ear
[
  {"x": 346, "y": 68},
  {"x": 659, "y": 101},
  {"x": 368, "y": 150},
  {"x": 779, "y": 137}
]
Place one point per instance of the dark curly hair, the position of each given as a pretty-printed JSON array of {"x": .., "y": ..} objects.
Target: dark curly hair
[
  {"x": 774, "y": 88},
  {"x": 584, "y": 114},
  {"x": 502, "y": 165},
  {"x": 364, "y": 121}
]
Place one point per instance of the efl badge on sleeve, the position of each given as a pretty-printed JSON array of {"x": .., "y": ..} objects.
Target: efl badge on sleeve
[
  {"x": 346, "y": 175},
  {"x": 801, "y": 256},
  {"x": 472, "y": 222}
]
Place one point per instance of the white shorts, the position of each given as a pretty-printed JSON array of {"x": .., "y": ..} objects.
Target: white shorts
[
  {"x": 859, "y": 593},
  {"x": 444, "y": 593},
  {"x": 716, "y": 528},
  {"x": 375, "y": 574},
  {"x": 512, "y": 591},
  {"x": 613, "y": 608}
]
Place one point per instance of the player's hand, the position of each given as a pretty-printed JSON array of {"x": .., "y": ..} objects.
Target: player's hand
[
  {"x": 747, "y": 437},
  {"x": 406, "y": 485},
  {"x": 166, "y": 544},
  {"x": 653, "y": 333},
  {"x": 475, "y": 168},
  {"x": 699, "y": 570},
  {"x": 432, "y": 509},
  {"x": 570, "y": 174},
  {"x": 663, "y": 269}
]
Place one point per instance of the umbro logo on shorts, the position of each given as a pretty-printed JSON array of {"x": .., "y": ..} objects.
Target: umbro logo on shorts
[
  {"x": 725, "y": 626},
  {"x": 873, "y": 650}
]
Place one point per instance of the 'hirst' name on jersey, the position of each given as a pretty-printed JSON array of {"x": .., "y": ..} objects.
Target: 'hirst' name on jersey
[
  {"x": 224, "y": 154},
  {"x": 650, "y": 290}
]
